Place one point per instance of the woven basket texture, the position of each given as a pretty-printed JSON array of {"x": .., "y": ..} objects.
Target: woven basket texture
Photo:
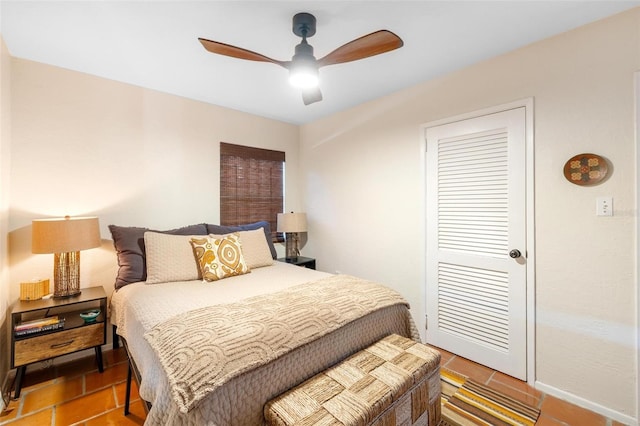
[{"x": 396, "y": 381}]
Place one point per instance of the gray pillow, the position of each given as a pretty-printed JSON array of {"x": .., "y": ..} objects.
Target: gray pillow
[
  {"x": 129, "y": 244},
  {"x": 221, "y": 230}
]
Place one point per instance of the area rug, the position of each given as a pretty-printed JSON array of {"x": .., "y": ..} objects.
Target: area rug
[{"x": 467, "y": 403}]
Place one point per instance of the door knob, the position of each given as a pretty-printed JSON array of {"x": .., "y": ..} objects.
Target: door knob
[{"x": 515, "y": 253}]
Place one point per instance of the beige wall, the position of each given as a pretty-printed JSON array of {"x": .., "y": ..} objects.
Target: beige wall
[
  {"x": 84, "y": 145},
  {"x": 5, "y": 151},
  {"x": 363, "y": 177}
]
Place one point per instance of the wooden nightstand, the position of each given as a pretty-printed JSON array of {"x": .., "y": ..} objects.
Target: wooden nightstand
[
  {"x": 307, "y": 262},
  {"x": 76, "y": 335}
]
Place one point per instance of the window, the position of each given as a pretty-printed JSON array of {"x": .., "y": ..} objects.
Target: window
[{"x": 251, "y": 185}]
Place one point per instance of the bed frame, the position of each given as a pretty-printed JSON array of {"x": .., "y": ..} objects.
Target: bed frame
[{"x": 132, "y": 371}]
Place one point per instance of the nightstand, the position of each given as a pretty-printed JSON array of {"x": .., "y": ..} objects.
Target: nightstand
[
  {"x": 76, "y": 335},
  {"x": 306, "y": 262}
]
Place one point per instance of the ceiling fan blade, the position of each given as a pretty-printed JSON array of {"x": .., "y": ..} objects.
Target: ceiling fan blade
[
  {"x": 238, "y": 52},
  {"x": 369, "y": 45},
  {"x": 311, "y": 95}
]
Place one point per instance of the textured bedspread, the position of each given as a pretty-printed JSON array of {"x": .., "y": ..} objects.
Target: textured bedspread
[
  {"x": 138, "y": 308},
  {"x": 203, "y": 349}
]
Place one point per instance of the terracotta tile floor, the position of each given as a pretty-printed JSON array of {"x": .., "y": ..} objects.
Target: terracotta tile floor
[
  {"x": 553, "y": 411},
  {"x": 75, "y": 393}
]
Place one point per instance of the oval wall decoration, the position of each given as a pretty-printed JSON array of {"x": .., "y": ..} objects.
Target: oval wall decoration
[{"x": 585, "y": 169}]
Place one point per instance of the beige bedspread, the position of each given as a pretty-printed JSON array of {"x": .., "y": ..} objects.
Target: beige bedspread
[
  {"x": 203, "y": 349},
  {"x": 138, "y": 308}
]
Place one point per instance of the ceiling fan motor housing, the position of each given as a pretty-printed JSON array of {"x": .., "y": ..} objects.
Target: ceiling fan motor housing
[
  {"x": 303, "y": 50},
  {"x": 303, "y": 71}
]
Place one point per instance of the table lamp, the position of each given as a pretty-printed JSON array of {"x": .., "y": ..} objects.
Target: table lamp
[
  {"x": 65, "y": 237},
  {"x": 291, "y": 224}
]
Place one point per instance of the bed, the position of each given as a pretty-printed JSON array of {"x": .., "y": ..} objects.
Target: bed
[{"x": 214, "y": 352}]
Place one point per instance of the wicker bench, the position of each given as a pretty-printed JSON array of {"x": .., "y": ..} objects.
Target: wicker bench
[{"x": 396, "y": 381}]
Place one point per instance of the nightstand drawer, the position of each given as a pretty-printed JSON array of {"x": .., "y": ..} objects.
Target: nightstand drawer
[{"x": 55, "y": 344}]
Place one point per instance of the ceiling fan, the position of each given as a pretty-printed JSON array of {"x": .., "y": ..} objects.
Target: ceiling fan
[{"x": 303, "y": 66}]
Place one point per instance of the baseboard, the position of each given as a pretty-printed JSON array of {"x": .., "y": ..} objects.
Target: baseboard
[{"x": 585, "y": 403}]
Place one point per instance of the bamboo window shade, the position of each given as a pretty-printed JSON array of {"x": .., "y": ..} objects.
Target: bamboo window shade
[{"x": 251, "y": 185}]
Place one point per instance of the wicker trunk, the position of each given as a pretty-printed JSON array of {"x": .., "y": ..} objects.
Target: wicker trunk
[{"x": 396, "y": 381}]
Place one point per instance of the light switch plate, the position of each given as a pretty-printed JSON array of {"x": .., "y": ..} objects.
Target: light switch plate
[{"x": 604, "y": 206}]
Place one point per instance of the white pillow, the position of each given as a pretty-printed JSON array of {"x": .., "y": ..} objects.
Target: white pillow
[
  {"x": 255, "y": 248},
  {"x": 170, "y": 258}
]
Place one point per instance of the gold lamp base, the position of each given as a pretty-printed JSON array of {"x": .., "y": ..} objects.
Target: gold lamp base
[{"x": 66, "y": 274}]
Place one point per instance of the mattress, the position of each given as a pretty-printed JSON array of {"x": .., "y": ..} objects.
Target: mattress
[{"x": 138, "y": 308}]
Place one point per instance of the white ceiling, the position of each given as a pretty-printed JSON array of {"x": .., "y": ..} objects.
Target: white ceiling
[{"x": 154, "y": 44}]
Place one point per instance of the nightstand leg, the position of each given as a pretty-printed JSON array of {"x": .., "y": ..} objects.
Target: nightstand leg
[
  {"x": 19, "y": 376},
  {"x": 99, "y": 358}
]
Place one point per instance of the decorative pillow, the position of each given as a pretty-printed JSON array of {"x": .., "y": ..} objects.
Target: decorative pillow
[
  {"x": 170, "y": 258},
  {"x": 129, "y": 244},
  {"x": 254, "y": 248},
  {"x": 222, "y": 230},
  {"x": 219, "y": 258}
]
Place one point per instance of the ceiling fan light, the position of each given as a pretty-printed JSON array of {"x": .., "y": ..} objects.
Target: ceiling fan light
[
  {"x": 304, "y": 75},
  {"x": 303, "y": 80}
]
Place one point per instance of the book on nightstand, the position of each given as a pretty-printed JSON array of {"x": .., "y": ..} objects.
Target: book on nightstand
[{"x": 37, "y": 326}]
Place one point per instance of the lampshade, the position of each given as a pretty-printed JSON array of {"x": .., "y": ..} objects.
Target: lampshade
[
  {"x": 292, "y": 222},
  {"x": 62, "y": 235},
  {"x": 65, "y": 238}
]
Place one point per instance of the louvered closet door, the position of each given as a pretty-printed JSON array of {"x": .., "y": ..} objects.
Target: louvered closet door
[{"x": 476, "y": 292}]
